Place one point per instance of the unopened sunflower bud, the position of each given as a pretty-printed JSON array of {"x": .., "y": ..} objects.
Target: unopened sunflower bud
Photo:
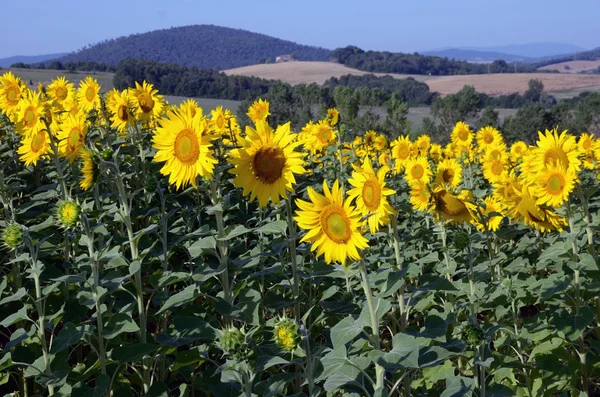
[
  {"x": 12, "y": 236},
  {"x": 232, "y": 341},
  {"x": 287, "y": 335},
  {"x": 68, "y": 212}
]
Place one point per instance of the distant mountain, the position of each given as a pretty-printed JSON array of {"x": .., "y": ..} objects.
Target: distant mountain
[
  {"x": 203, "y": 46},
  {"x": 462, "y": 54},
  {"x": 6, "y": 62},
  {"x": 533, "y": 50},
  {"x": 590, "y": 55}
]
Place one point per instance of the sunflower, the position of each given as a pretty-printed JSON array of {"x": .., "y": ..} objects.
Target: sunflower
[
  {"x": 423, "y": 144},
  {"x": 586, "y": 145},
  {"x": 488, "y": 137},
  {"x": 448, "y": 173},
  {"x": 322, "y": 136},
  {"x": 450, "y": 207},
  {"x": 149, "y": 105},
  {"x": 89, "y": 168},
  {"x": 71, "y": 136},
  {"x": 517, "y": 151},
  {"x": 506, "y": 188},
  {"x": 401, "y": 152},
  {"x": 552, "y": 149},
  {"x": 218, "y": 121},
  {"x": 190, "y": 106},
  {"x": 461, "y": 134},
  {"x": 332, "y": 224},
  {"x": 554, "y": 184},
  {"x": 420, "y": 196},
  {"x": 67, "y": 213},
  {"x": 333, "y": 117},
  {"x": 59, "y": 90},
  {"x": 493, "y": 170},
  {"x": 370, "y": 194},
  {"x": 88, "y": 94},
  {"x": 34, "y": 145},
  {"x": 488, "y": 222},
  {"x": 265, "y": 164},
  {"x": 436, "y": 152},
  {"x": 121, "y": 109},
  {"x": 526, "y": 209},
  {"x": 417, "y": 170},
  {"x": 370, "y": 137},
  {"x": 12, "y": 89},
  {"x": 495, "y": 152},
  {"x": 384, "y": 159},
  {"x": 258, "y": 111},
  {"x": 381, "y": 143},
  {"x": 31, "y": 109}
]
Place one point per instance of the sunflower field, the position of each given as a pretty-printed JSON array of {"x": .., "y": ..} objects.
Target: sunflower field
[{"x": 158, "y": 250}]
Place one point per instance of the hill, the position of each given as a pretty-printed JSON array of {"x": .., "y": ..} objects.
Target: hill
[
  {"x": 574, "y": 66},
  {"x": 6, "y": 62},
  {"x": 534, "y": 50},
  {"x": 202, "y": 46},
  {"x": 469, "y": 55},
  {"x": 590, "y": 55}
]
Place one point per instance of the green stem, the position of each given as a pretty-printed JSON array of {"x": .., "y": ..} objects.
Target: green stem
[
  {"x": 57, "y": 163},
  {"x": 445, "y": 249},
  {"x": 296, "y": 282},
  {"x": 588, "y": 222},
  {"x": 309, "y": 365},
  {"x": 96, "y": 284},
  {"x": 401, "y": 304},
  {"x": 222, "y": 244},
  {"x": 379, "y": 370}
]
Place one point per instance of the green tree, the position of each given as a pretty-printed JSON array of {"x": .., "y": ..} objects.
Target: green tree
[{"x": 397, "y": 122}]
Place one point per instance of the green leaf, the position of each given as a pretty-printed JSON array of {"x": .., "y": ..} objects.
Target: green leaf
[
  {"x": 6, "y": 362},
  {"x": 545, "y": 347},
  {"x": 573, "y": 325},
  {"x": 552, "y": 286},
  {"x": 36, "y": 368},
  {"x": 237, "y": 231},
  {"x": 497, "y": 390},
  {"x": 158, "y": 389},
  {"x": 248, "y": 305},
  {"x": 458, "y": 386},
  {"x": 345, "y": 331},
  {"x": 187, "y": 358},
  {"x": 405, "y": 353},
  {"x": 17, "y": 337},
  {"x": 20, "y": 315},
  {"x": 277, "y": 227},
  {"x": 132, "y": 353},
  {"x": 118, "y": 324},
  {"x": 68, "y": 335},
  {"x": 381, "y": 306},
  {"x": 187, "y": 295},
  {"x": 21, "y": 292},
  {"x": 266, "y": 362},
  {"x": 431, "y": 356},
  {"x": 202, "y": 246}
]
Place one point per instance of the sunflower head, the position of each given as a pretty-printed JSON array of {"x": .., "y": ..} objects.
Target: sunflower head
[
  {"x": 461, "y": 134},
  {"x": 448, "y": 173},
  {"x": 417, "y": 170},
  {"x": 35, "y": 145},
  {"x": 148, "y": 103},
  {"x": 554, "y": 184},
  {"x": 381, "y": 143},
  {"x": 370, "y": 137},
  {"x": 190, "y": 106},
  {"x": 286, "y": 334},
  {"x": 12, "y": 89},
  {"x": 488, "y": 136},
  {"x": 266, "y": 162},
  {"x": 218, "y": 121},
  {"x": 321, "y": 137},
  {"x": 90, "y": 168},
  {"x": 333, "y": 117},
  {"x": 423, "y": 144},
  {"x": 517, "y": 151},
  {"x": 12, "y": 236},
  {"x": 233, "y": 342},
  {"x": 488, "y": 218},
  {"x": 88, "y": 94},
  {"x": 59, "y": 90},
  {"x": 450, "y": 207},
  {"x": 332, "y": 224},
  {"x": 67, "y": 213},
  {"x": 420, "y": 196},
  {"x": 401, "y": 152}
]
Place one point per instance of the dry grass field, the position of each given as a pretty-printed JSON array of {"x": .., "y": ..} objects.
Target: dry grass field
[
  {"x": 33, "y": 77},
  {"x": 491, "y": 84},
  {"x": 573, "y": 66}
]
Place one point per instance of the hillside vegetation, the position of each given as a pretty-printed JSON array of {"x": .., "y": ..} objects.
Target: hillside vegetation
[
  {"x": 389, "y": 62},
  {"x": 203, "y": 46}
]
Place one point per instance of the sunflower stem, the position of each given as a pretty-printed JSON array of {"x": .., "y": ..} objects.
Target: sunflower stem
[
  {"x": 588, "y": 222},
  {"x": 96, "y": 284},
  {"x": 379, "y": 370},
  {"x": 401, "y": 304},
  {"x": 445, "y": 249},
  {"x": 57, "y": 163},
  {"x": 221, "y": 243},
  {"x": 296, "y": 283}
]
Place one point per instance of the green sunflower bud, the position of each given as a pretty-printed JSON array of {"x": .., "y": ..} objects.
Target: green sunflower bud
[
  {"x": 107, "y": 154},
  {"x": 12, "y": 236},
  {"x": 461, "y": 240},
  {"x": 68, "y": 212},
  {"x": 232, "y": 341},
  {"x": 287, "y": 335}
]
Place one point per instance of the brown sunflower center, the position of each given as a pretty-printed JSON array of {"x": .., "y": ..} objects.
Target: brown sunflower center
[
  {"x": 61, "y": 93},
  {"x": 447, "y": 175},
  {"x": 495, "y": 154},
  {"x": 463, "y": 135},
  {"x": 371, "y": 194},
  {"x": 13, "y": 93},
  {"x": 403, "y": 152},
  {"x": 122, "y": 113},
  {"x": 186, "y": 147},
  {"x": 30, "y": 117},
  {"x": 146, "y": 102},
  {"x": 268, "y": 164},
  {"x": 417, "y": 171},
  {"x": 555, "y": 184},
  {"x": 90, "y": 94},
  {"x": 587, "y": 144},
  {"x": 74, "y": 138},
  {"x": 488, "y": 138},
  {"x": 336, "y": 224},
  {"x": 220, "y": 122},
  {"x": 37, "y": 143},
  {"x": 324, "y": 135},
  {"x": 497, "y": 168}
]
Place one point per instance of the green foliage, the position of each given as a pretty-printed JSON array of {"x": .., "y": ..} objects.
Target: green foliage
[{"x": 201, "y": 46}]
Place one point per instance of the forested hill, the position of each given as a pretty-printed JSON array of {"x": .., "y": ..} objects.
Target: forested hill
[
  {"x": 389, "y": 62},
  {"x": 203, "y": 46}
]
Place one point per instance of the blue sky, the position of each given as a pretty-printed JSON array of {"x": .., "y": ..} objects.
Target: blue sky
[{"x": 64, "y": 26}]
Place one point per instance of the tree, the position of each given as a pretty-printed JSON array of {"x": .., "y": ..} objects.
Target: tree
[
  {"x": 397, "y": 122},
  {"x": 535, "y": 91},
  {"x": 489, "y": 117}
]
